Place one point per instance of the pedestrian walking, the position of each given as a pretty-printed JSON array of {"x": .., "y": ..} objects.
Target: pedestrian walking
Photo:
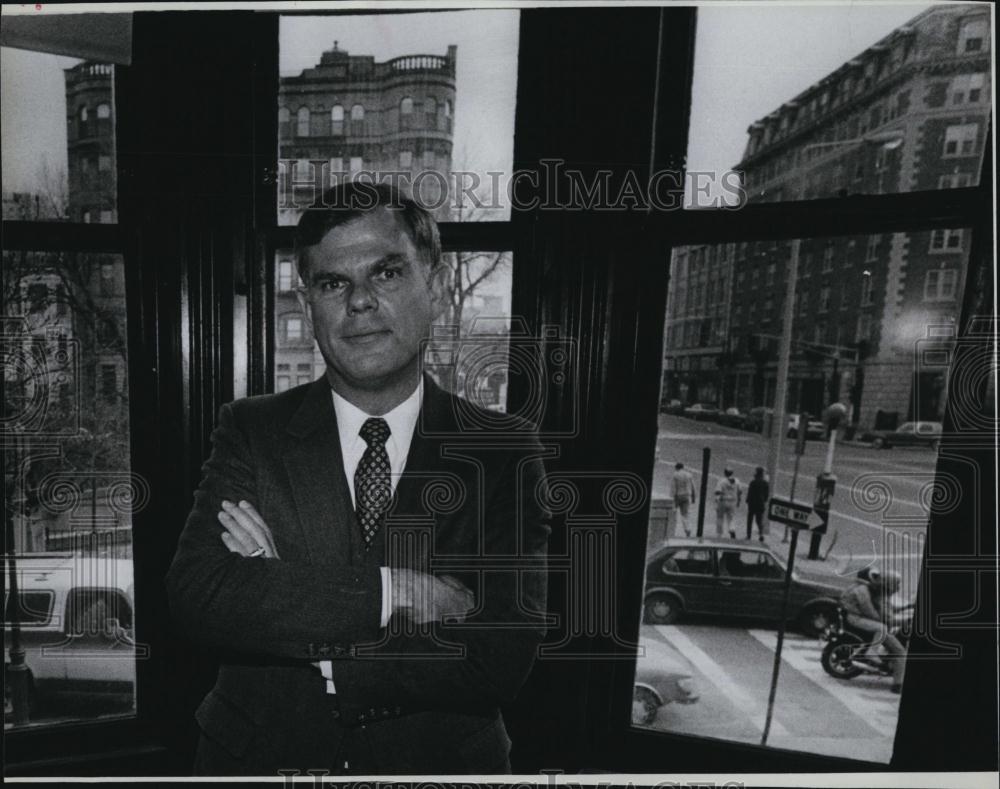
[
  {"x": 758, "y": 492},
  {"x": 684, "y": 495},
  {"x": 728, "y": 497}
]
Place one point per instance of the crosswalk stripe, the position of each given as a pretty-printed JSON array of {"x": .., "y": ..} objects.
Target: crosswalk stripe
[
  {"x": 879, "y": 712},
  {"x": 717, "y": 675}
]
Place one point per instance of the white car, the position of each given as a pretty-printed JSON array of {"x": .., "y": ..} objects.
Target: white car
[
  {"x": 76, "y": 626},
  {"x": 662, "y": 676}
]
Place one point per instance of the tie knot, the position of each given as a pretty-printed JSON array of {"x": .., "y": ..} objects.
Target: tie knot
[{"x": 375, "y": 431}]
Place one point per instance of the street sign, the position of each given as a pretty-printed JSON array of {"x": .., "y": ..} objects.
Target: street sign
[
  {"x": 826, "y": 484},
  {"x": 791, "y": 513}
]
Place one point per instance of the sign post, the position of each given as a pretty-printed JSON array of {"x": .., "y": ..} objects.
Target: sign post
[{"x": 796, "y": 516}]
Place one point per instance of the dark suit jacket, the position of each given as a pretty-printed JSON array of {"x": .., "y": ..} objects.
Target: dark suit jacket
[{"x": 423, "y": 701}]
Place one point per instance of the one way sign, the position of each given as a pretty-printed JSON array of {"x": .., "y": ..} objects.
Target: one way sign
[{"x": 791, "y": 513}]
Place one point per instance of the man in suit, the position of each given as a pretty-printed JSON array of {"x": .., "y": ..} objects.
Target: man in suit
[{"x": 307, "y": 558}]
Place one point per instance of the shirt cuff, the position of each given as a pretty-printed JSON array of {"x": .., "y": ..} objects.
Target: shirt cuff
[{"x": 386, "y": 596}]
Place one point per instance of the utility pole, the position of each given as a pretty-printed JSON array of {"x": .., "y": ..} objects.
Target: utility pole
[{"x": 784, "y": 361}]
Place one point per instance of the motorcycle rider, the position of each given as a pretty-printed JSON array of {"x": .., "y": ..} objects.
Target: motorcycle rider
[{"x": 869, "y": 609}]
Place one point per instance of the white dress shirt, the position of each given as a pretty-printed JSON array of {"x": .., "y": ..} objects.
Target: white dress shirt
[{"x": 401, "y": 420}]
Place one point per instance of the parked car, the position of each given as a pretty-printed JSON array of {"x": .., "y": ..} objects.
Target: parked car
[
  {"x": 673, "y": 407},
  {"x": 757, "y": 418},
  {"x": 726, "y": 577},
  {"x": 662, "y": 676},
  {"x": 908, "y": 434},
  {"x": 732, "y": 417},
  {"x": 814, "y": 427},
  {"x": 76, "y": 627},
  {"x": 700, "y": 411}
]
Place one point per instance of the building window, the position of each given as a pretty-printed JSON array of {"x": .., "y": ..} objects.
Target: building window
[
  {"x": 284, "y": 115},
  {"x": 336, "y": 169},
  {"x": 947, "y": 240},
  {"x": 84, "y": 114},
  {"x": 819, "y": 332},
  {"x": 971, "y": 35},
  {"x": 282, "y": 383},
  {"x": 828, "y": 258},
  {"x": 86, "y": 217},
  {"x": 824, "y": 299},
  {"x": 428, "y": 159},
  {"x": 431, "y": 112},
  {"x": 303, "y": 379},
  {"x": 357, "y": 113},
  {"x": 939, "y": 284},
  {"x": 953, "y": 181},
  {"x": 103, "y": 111},
  {"x": 871, "y": 250},
  {"x": 771, "y": 267},
  {"x": 864, "y": 328},
  {"x": 286, "y": 276},
  {"x": 337, "y": 120},
  {"x": 302, "y": 122},
  {"x": 357, "y": 165},
  {"x": 405, "y": 160},
  {"x": 104, "y": 163},
  {"x": 293, "y": 329},
  {"x": 106, "y": 217},
  {"x": 867, "y": 292},
  {"x": 960, "y": 140},
  {"x": 967, "y": 88}
]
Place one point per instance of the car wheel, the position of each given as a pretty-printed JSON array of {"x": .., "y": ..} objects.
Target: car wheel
[
  {"x": 879, "y": 443},
  {"x": 661, "y": 609},
  {"x": 813, "y": 621},
  {"x": 644, "y": 706}
]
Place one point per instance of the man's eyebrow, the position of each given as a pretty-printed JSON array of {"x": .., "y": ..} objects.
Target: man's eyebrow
[{"x": 392, "y": 259}]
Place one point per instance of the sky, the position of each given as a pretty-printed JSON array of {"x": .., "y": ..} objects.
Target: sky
[{"x": 749, "y": 59}]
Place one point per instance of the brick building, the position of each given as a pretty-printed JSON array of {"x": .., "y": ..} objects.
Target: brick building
[
  {"x": 909, "y": 113},
  {"x": 346, "y": 116},
  {"x": 90, "y": 142}
]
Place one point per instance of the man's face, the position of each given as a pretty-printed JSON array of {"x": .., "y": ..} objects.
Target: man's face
[{"x": 371, "y": 300}]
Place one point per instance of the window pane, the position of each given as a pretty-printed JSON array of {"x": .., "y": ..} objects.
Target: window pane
[
  {"x": 874, "y": 330},
  {"x": 58, "y": 138},
  {"x": 65, "y": 365},
  {"x": 479, "y": 315},
  {"x": 862, "y": 99},
  {"x": 437, "y": 87}
]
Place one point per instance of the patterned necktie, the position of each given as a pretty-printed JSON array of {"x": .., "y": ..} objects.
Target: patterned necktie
[{"x": 372, "y": 488}]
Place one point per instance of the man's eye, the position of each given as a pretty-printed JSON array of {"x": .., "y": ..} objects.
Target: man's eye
[
  {"x": 329, "y": 285},
  {"x": 388, "y": 273}
]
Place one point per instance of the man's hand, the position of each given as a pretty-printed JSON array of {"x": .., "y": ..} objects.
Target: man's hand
[
  {"x": 246, "y": 533},
  {"x": 426, "y": 598}
]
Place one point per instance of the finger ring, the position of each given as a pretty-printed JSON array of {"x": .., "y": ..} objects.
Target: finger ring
[{"x": 258, "y": 552}]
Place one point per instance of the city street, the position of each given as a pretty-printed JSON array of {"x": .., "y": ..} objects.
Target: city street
[
  {"x": 878, "y": 514},
  {"x": 813, "y": 711}
]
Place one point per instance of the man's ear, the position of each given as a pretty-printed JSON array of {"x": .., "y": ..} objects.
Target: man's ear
[
  {"x": 305, "y": 306},
  {"x": 440, "y": 286}
]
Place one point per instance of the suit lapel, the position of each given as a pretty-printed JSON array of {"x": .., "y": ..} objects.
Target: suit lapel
[{"x": 315, "y": 469}]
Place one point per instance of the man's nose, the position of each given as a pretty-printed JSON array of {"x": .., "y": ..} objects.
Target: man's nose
[{"x": 361, "y": 299}]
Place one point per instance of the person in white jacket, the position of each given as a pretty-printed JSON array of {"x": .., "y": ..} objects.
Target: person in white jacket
[{"x": 728, "y": 497}]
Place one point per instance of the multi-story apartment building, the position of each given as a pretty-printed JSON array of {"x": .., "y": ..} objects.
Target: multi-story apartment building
[
  {"x": 90, "y": 139},
  {"x": 909, "y": 113},
  {"x": 348, "y": 116}
]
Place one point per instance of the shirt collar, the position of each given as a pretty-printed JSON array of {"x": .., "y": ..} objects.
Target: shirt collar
[{"x": 401, "y": 420}]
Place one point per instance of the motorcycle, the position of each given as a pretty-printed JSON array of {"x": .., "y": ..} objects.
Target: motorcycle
[{"x": 850, "y": 652}]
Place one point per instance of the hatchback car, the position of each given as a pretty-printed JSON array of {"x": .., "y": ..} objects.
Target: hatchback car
[
  {"x": 814, "y": 427},
  {"x": 662, "y": 676},
  {"x": 908, "y": 434},
  {"x": 732, "y": 417},
  {"x": 739, "y": 578},
  {"x": 700, "y": 411}
]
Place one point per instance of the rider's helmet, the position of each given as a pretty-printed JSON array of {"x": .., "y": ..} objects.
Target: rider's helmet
[{"x": 888, "y": 581}]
